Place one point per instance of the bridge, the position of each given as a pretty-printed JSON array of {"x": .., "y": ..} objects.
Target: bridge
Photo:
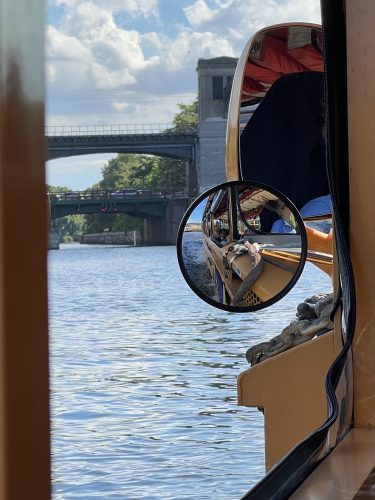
[
  {"x": 155, "y": 139},
  {"x": 162, "y": 210}
]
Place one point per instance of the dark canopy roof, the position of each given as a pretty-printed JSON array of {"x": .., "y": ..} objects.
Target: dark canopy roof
[{"x": 283, "y": 143}]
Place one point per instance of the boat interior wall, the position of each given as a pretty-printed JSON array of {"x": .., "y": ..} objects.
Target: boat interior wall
[
  {"x": 280, "y": 384},
  {"x": 361, "y": 119},
  {"x": 346, "y": 473},
  {"x": 283, "y": 143}
]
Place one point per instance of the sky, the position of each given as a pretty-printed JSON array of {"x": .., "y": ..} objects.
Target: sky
[
  {"x": 197, "y": 213},
  {"x": 133, "y": 61}
]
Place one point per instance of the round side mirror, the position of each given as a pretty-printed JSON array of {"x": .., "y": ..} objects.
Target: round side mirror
[{"x": 241, "y": 246}]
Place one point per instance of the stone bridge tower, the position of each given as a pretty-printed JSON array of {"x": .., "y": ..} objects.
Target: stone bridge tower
[{"x": 215, "y": 78}]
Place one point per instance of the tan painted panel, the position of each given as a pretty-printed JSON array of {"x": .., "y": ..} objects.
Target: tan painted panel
[
  {"x": 361, "y": 113},
  {"x": 291, "y": 389},
  {"x": 341, "y": 474},
  {"x": 24, "y": 392}
]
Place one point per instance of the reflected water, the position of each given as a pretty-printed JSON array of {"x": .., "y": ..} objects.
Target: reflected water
[
  {"x": 143, "y": 377},
  {"x": 195, "y": 263}
]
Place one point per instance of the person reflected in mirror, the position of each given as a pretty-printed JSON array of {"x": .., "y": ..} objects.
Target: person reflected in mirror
[
  {"x": 283, "y": 225},
  {"x": 224, "y": 237}
]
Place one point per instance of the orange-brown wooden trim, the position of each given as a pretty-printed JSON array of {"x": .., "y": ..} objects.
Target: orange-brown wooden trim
[{"x": 24, "y": 388}]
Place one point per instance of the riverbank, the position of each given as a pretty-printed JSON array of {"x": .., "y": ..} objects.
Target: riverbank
[{"x": 113, "y": 238}]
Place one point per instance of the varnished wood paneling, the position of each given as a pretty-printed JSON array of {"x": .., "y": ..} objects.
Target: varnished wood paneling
[{"x": 24, "y": 394}]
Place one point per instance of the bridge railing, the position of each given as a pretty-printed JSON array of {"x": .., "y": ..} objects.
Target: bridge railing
[
  {"x": 121, "y": 129},
  {"x": 118, "y": 194}
]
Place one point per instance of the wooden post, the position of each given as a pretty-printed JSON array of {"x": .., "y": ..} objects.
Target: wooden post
[{"x": 24, "y": 392}]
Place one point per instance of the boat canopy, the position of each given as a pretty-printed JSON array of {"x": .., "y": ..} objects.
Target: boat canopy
[
  {"x": 217, "y": 202},
  {"x": 283, "y": 143},
  {"x": 279, "y": 51}
]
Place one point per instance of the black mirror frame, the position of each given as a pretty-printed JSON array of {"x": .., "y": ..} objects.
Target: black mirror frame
[{"x": 277, "y": 297}]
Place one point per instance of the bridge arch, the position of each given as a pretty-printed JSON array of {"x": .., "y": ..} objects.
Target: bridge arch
[
  {"x": 154, "y": 139},
  {"x": 161, "y": 211}
]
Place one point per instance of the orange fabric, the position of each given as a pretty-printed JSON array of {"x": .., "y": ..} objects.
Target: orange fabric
[
  {"x": 320, "y": 242},
  {"x": 250, "y": 86},
  {"x": 274, "y": 55},
  {"x": 261, "y": 74},
  {"x": 309, "y": 57}
]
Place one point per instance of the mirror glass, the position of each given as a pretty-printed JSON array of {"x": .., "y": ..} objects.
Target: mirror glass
[
  {"x": 241, "y": 246},
  {"x": 281, "y": 115},
  {"x": 277, "y": 51}
]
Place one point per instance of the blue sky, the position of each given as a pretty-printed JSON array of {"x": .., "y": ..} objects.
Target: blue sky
[
  {"x": 132, "y": 61},
  {"x": 197, "y": 213}
]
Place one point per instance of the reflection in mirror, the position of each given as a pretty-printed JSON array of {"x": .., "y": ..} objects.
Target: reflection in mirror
[
  {"x": 278, "y": 51},
  {"x": 317, "y": 216},
  {"x": 317, "y": 208},
  {"x": 241, "y": 246},
  {"x": 281, "y": 115}
]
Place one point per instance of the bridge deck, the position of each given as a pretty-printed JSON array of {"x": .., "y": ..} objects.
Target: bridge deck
[
  {"x": 144, "y": 203},
  {"x": 146, "y": 139}
]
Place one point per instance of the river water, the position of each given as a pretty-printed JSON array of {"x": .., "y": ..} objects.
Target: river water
[{"x": 143, "y": 377}]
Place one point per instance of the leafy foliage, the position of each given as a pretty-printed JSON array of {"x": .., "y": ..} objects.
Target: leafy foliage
[
  {"x": 71, "y": 227},
  {"x": 187, "y": 118}
]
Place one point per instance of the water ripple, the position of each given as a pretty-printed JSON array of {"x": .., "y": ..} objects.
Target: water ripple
[{"x": 143, "y": 379}]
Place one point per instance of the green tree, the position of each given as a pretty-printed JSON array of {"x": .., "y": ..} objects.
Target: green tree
[
  {"x": 187, "y": 118},
  {"x": 127, "y": 171},
  {"x": 70, "y": 227},
  {"x": 143, "y": 171},
  {"x": 56, "y": 189},
  {"x": 124, "y": 171},
  {"x": 97, "y": 223},
  {"x": 171, "y": 173}
]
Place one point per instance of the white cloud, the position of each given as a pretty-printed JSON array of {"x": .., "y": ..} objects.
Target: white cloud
[
  {"x": 88, "y": 51},
  {"x": 239, "y": 19},
  {"x": 88, "y": 36},
  {"x": 66, "y": 56},
  {"x": 101, "y": 72},
  {"x": 135, "y": 7},
  {"x": 199, "y": 13},
  {"x": 159, "y": 109},
  {"x": 119, "y": 106},
  {"x": 188, "y": 47}
]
